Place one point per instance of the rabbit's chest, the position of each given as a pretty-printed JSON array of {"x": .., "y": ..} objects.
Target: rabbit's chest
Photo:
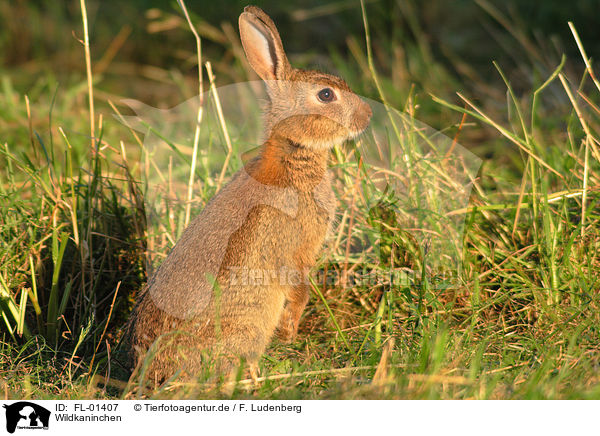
[
  {"x": 314, "y": 219},
  {"x": 287, "y": 228},
  {"x": 320, "y": 202}
]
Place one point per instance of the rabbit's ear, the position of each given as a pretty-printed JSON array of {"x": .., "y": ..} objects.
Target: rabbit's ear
[{"x": 262, "y": 45}]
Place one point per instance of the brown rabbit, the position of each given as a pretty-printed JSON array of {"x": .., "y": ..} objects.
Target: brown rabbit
[{"x": 239, "y": 272}]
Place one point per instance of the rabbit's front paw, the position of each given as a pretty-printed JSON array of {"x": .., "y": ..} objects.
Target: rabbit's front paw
[{"x": 286, "y": 330}]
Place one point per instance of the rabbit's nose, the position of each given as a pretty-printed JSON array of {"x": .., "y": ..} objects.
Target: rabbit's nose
[{"x": 363, "y": 115}]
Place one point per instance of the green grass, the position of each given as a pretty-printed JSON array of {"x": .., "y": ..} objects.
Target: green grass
[{"x": 520, "y": 321}]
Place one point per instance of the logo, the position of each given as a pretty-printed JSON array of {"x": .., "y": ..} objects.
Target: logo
[{"x": 26, "y": 415}]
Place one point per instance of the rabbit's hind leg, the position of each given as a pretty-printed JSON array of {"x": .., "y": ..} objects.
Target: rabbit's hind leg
[{"x": 231, "y": 374}]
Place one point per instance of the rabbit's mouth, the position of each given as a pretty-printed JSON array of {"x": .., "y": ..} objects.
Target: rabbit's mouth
[
  {"x": 356, "y": 132},
  {"x": 358, "y": 128}
]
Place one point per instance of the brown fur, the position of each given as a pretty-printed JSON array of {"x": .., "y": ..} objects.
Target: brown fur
[{"x": 272, "y": 217}]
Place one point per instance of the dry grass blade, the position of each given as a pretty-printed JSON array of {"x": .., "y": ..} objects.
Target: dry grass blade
[
  {"x": 112, "y": 306},
  {"x": 507, "y": 134},
  {"x": 586, "y": 60},
  {"x": 332, "y": 371},
  {"x": 381, "y": 374},
  {"x": 587, "y": 141},
  {"x": 190, "y": 187},
  {"x": 88, "y": 68},
  {"x": 222, "y": 123}
]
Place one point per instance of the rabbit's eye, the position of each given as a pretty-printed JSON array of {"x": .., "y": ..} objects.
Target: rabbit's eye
[{"x": 326, "y": 95}]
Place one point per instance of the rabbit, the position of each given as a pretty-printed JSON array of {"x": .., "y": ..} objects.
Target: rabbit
[{"x": 238, "y": 275}]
